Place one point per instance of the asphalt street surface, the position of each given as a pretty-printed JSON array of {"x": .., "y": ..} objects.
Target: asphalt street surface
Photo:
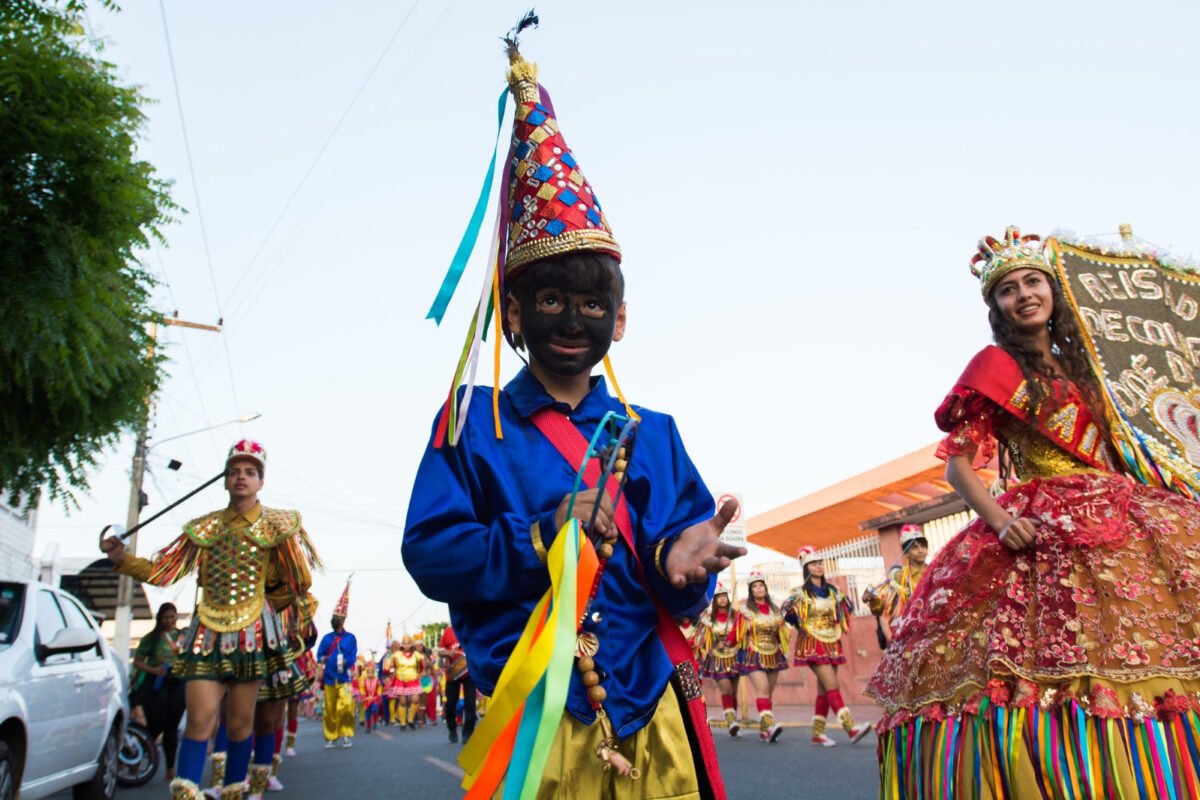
[{"x": 392, "y": 763}]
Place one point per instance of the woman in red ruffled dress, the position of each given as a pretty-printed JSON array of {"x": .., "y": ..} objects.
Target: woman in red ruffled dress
[{"x": 1052, "y": 648}]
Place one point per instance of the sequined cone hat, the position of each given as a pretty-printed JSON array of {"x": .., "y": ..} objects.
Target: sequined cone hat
[
  {"x": 342, "y": 609},
  {"x": 552, "y": 208},
  {"x": 545, "y": 208}
]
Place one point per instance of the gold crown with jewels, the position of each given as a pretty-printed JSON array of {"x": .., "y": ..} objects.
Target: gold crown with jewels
[{"x": 998, "y": 257}]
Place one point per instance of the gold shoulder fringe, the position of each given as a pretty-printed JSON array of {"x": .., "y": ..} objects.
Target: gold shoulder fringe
[
  {"x": 203, "y": 531},
  {"x": 280, "y": 524}
]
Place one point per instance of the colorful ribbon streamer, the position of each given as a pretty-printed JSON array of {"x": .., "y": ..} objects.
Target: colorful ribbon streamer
[
  {"x": 513, "y": 741},
  {"x": 471, "y": 235}
]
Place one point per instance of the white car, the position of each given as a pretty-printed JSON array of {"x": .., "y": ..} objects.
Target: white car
[{"x": 63, "y": 697}]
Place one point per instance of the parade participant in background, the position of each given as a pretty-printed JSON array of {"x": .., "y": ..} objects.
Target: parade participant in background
[
  {"x": 717, "y": 652},
  {"x": 430, "y": 686},
  {"x": 485, "y": 511},
  {"x": 820, "y": 613},
  {"x": 458, "y": 684},
  {"x": 307, "y": 664},
  {"x": 407, "y": 666},
  {"x": 337, "y": 655},
  {"x": 1050, "y": 648},
  {"x": 356, "y": 676},
  {"x": 888, "y": 599},
  {"x": 248, "y": 560},
  {"x": 275, "y": 696},
  {"x": 762, "y": 651},
  {"x": 687, "y": 626},
  {"x": 387, "y": 679},
  {"x": 160, "y": 694},
  {"x": 370, "y": 693}
]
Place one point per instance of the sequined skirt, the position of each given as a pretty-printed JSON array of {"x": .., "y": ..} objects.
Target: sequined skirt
[
  {"x": 813, "y": 652},
  {"x": 754, "y": 661},
  {"x": 1021, "y": 667},
  {"x": 284, "y": 685},
  {"x": 719, "y": 667},
  {"x": 258, "y": 652}
]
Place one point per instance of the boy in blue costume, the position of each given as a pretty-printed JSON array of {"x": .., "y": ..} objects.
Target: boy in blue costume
[{"x": 485, "y": 510}]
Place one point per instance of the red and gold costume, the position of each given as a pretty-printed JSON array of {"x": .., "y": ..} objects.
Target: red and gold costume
[
  {"x": 1073, "y": 662},
  {"x": 717, "y": 644},
  {"x": 370, "y": 694},
  {"x": 762, "y": 638},
  {"x": 820, "y": 621}
]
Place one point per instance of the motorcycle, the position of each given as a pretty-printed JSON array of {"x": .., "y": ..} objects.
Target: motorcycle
[{"x": 137, "y": 760}]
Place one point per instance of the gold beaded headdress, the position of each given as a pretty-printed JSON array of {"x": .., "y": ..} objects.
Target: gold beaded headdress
[{"x": 998, "y": 257}]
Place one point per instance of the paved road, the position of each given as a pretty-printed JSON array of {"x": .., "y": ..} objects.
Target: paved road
[{"x": 397, "y": 764}]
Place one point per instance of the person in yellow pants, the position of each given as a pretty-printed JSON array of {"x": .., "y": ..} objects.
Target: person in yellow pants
[{"x": 337, "y": 654}]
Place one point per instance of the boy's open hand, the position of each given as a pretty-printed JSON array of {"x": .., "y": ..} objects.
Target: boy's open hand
[{"x": 700, "y": 551}]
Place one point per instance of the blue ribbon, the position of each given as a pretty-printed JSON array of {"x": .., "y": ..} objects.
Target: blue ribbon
[{"x": 471, "y": 234}]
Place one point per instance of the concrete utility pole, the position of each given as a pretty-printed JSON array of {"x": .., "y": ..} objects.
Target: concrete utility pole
[{"x": 124, "y": 609}]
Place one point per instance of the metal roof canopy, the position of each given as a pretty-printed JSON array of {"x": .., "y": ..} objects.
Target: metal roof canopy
[{"x": 911, "y": 488}]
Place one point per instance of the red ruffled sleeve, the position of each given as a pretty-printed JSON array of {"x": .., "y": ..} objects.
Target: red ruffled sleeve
[{"x": 970, "y": 420}]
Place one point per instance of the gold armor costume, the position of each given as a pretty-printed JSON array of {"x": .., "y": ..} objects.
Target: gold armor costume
[
  {"x": 820, "y": 621},
  {"x": 762, "y": 640},
  {"x": 716, "y": 644},
  {"x": 249, "y": 566}
]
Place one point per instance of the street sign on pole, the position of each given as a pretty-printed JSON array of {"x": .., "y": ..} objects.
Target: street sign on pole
[{"x": 735, "y": 531}]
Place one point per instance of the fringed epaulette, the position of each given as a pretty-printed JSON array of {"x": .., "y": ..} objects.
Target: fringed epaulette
[
  {"x": 274, "y": 526},
  {"x": 205, "y": 530}
]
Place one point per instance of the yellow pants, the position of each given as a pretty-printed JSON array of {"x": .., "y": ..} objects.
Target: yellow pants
[
  {"x": 659, "y": 750},
  {"x": 338, "y": 718}
]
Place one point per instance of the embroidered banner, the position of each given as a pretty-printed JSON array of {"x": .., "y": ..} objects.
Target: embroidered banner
[{"x": 1141, "y": 324}]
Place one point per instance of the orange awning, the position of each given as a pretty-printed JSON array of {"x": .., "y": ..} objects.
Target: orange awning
[{"x": 832, "y": 515}]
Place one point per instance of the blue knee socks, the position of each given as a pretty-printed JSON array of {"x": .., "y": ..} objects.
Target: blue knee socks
[
  {"x": 190, "y": 761},
  {"x": 264, "y": 748},
  {"x": 238, "y": 761},
  {"x": 221, "y": 743}
]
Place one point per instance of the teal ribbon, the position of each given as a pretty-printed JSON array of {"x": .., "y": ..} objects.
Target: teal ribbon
[{"x": 471, "y": 234}]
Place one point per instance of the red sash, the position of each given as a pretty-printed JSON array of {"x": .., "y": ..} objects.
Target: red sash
[
  {"x": 571, "y": 445},
  {"x": 994, "y": 374}
]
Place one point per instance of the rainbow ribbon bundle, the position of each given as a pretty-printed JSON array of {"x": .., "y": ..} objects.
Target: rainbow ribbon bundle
[{"x": 514, "y": 739}]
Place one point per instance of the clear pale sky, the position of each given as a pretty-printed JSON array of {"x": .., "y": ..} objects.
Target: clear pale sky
[{"x": 797, "y": 187}]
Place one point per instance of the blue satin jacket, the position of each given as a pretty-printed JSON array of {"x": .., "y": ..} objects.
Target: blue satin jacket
[
  {"x": 348, "y": 645},
  {"x": 469, "y": 541}
]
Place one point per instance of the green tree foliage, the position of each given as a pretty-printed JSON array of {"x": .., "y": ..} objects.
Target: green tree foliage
[{"x": 75, "y": 206}]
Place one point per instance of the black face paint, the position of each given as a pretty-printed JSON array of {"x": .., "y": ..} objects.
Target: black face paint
[{"x": 587, "y": 337}]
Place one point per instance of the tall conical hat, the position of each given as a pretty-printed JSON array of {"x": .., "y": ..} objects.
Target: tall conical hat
[
  {"x": 552, "y": 208},
  {"x": 342, "y": 609},
  {"x": 546, "y": 208}
]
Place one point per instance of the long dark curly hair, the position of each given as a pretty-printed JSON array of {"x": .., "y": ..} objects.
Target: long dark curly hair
[{"x": 1066, "y": 341}]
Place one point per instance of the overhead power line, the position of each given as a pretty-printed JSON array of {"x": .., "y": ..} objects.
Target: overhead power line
[{"x": 187, "y": 148}]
